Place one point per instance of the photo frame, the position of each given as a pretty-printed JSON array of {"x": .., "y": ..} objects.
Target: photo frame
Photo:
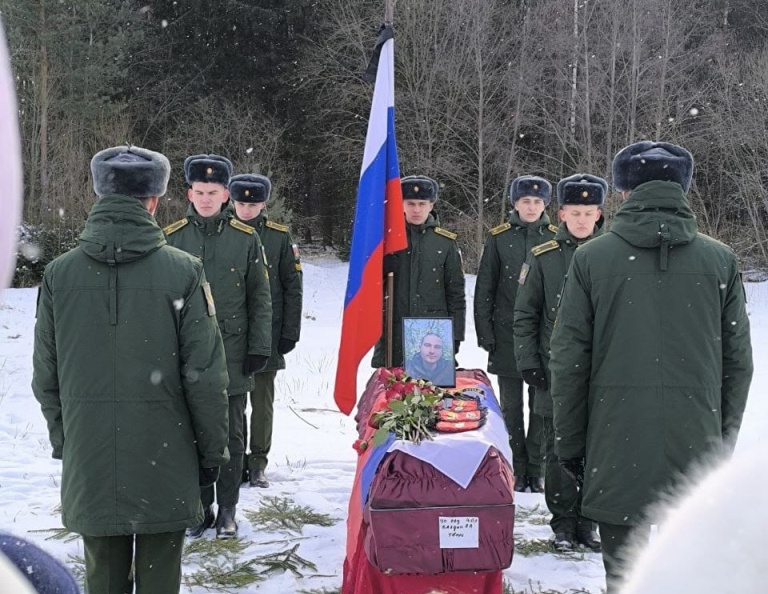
[{"x": 428, "y": 350}]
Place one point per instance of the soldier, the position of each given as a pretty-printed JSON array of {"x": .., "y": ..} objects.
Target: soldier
[
  {"x": 233, "y": 258},
  {"x": 504, "y": 253},
  {"x": 651, "y": 359},
  {"x": 250, "y": 194},
  {"x": 129, "y": 369},
  {"x": 581, "y": 198},
  {"x": 429, "y": 280}
]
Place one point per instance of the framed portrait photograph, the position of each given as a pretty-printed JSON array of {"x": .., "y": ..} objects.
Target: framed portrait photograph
[{"x": 428, "y": 350}]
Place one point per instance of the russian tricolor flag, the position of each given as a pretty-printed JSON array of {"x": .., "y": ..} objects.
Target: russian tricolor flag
[{"x": 379, "y": 229}]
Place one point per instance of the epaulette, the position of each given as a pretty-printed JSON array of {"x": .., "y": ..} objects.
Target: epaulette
[
  {"x": 277, "y": 226},
  {"x": 552, "y": 228},
  {"x": 173, "y": 227},
  {"x": 543, "y": 248},
  {"x": 445, "y": 233},
  {"x": 500, "y": 228},
  {"x": 240, "y": 226}
]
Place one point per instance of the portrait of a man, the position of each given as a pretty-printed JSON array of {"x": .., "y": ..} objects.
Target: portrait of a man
[{"x": 429, "y": 350}]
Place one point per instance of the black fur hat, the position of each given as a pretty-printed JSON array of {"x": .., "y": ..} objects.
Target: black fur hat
[
  {"x": 130, "y": 171},
  {"x": 207, "y": 168},
  {"x": 419, "y": 187},
  {"x": 582, "y": 189},
  {"x": 250, "y": 187},
  {"x": 530, "y": 185},
  {"x": 648, "y": 161}
]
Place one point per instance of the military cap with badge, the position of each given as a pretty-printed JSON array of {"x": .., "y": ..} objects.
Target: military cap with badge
[
  {"x": 582, "y": 189},
  {"x": 130, "y": 171},
  {"x": 213, "y": 169},
  {"x": 419, "y": 187},
  {"x": 530, "y": 185}
]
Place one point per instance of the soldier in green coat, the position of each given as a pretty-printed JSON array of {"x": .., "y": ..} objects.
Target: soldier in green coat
[
  {"x": 651, "y": 359},
  {"x": 130, "y": 372},
  {"x": 250, "y": 194},
  {"x": 504, "y": 254},
  {"x": 429, "y": 280},
  {"x": 581, "y": 198},
  {"x": 233, "y": 258}
]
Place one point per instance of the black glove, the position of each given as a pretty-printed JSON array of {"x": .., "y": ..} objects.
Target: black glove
[
  {"x": 391, "y": 264},
  {"x": 574, "y": 468},
  {"x": 285, "y": 345},
  {"x": 535, "y": 377},
  {"x": 489, "y": 347},
  {"x": 254, "y": 363},
  {"x": 208, "y": 476},
  {"x": 456, "y": 345}
]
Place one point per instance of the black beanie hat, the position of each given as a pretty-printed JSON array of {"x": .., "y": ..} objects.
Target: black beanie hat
[
  {"x": 130, "y": 171},
  {"x": 419, "y": 187},
  {"x": 648, "y": 161},
  {"x": 207, "y": 168},
  {"x": 250, "y": 187},
  {"x": 530, "y": 185},
  {"x": 582, "y": 189}
]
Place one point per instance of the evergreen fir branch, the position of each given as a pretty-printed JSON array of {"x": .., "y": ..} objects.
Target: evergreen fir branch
[
  {"x": 287, "y": 560},
  {"x": 281, "y": 513},
  {"x": 57, "y": 534}
]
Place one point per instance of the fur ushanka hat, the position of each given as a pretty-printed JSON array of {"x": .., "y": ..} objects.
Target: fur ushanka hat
[
  {"x": 530, "y": 185},
  {"x": 250, "y": 187},
  {"x": 582, "y": 189},
  {"x": 648, "y": 161},
  {"x": 419, "y": 187},
  {"x": 207, "y": 168},
  {"x": 130, "y": 171}
]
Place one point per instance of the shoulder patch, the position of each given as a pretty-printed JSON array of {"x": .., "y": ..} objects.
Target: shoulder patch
[
  {"x": 543, "y": 248},
  {"x": 445, "y": 233},
  {"x": 500, "y": 228},
  {"x": 173, "y": 227},
  {"x": 552, "y": 228},
  {"x": 240, "y": 226},
  {"x": 276, "y": 226}
]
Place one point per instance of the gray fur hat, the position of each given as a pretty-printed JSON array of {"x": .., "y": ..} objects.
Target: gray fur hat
[
  {"x": 582, "y": 189},
  {"x": 419, "y": 187},
  {"x": 212, "y": 169},
  {"x": 250, "y": 187},
  {"x": 648, "y": 161},
  {"x": 530, "y": 185},
  {"x": 130, "y": 171}
]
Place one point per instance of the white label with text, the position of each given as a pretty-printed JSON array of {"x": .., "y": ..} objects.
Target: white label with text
[{"x": 459, "y": 533}]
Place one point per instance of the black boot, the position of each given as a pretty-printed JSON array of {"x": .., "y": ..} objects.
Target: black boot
[
  {"x": 521, "y": 484},
  {"x": 563, "y": 542},
  {"x": 590, "y": 540},
  {"x": 246, "y": 477},
  {"x": 259, "y": 479},
  {"x": 536, "y": 483},
  {"x": 226, "y": 527},
  {"x": 208, "y": 521}
]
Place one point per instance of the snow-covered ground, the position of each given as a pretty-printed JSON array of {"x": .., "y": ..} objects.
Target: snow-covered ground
[{"x": 312, "y": 462}]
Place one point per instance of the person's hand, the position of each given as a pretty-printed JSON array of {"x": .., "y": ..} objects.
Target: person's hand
[
  {"x": 208, "y": 476},
  {"x": 285, "y": 345},
  {"x": 391, "y": 264},
  {"x": 456, "y": 346},
  {"x": 574, "y": 468},
  {"x": 535, "y": 377},
  {"x": 489, "y": 347},
  {"x": 254, "y": 364}
]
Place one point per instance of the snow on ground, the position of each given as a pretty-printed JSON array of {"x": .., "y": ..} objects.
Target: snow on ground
[{"x": 312, "y": 461}]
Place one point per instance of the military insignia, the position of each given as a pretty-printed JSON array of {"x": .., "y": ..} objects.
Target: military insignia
[
  {"x": 552, "y": 228},
  {"x": 264, "y": 255},
  {"x": 500, "y": 228},
  {"x": 535, "y": 186},
  {"x": 209, "y": 299},
  {"x": 240, "y": 226},
  {"x": 543, "y": 248},
  {"x": 277, "y": 226},
  {"x": 209, "y": 171},
  {"x": 247, "y": 192},
  {"x": 296, "y": 257},
  {"x": 585, "y": 194},
  {"x": 445, "y": 233},
  {"x": 415, "y": 189},
  {"x": 523, "y": 273},
  {"x": 173, "y": 227}
]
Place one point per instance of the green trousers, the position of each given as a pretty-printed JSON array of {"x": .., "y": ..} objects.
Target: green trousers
[
  {"x": 262, "y": 418},
  {"x": 227, "y": 488},
  {"x": 156, "y": 561},
  {"x": 526, "y": 449},
  {"x": 560, "y": 491},
  {"x": 615, "y": 558}
]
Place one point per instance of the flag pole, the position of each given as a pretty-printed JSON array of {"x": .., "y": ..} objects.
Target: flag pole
[{"x": 389, "y": 11}]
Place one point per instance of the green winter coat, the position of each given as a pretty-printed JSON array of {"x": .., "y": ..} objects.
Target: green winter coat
[
  {"x": 429, "y": 283},
  {"x": 541, "y": 284},
  {"x": 505, "y": 251},
  {"x": 233, "y": 259},
  {"x": 285, "y": 282},
  {"x": 130, "y": 372},
  {"x": 651, "y": 358}
]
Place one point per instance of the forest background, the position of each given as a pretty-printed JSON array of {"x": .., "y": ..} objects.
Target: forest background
[{"x": 486, "y": 90}]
